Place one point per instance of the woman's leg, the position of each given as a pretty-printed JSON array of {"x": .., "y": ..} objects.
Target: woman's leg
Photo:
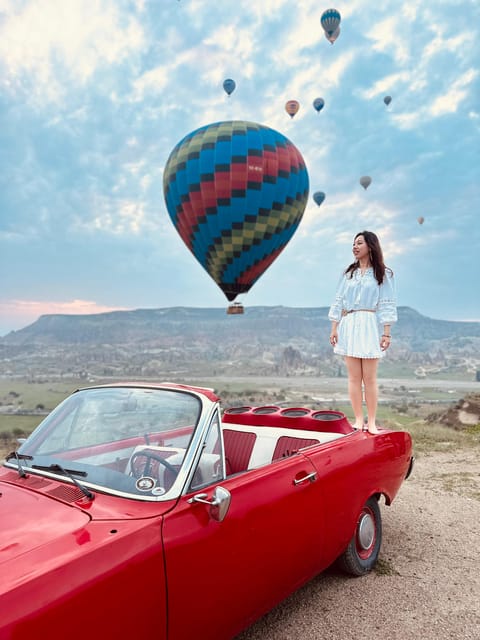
[
  {"x": 354, "y": 369},
  {"x": 369, "y": 372}
]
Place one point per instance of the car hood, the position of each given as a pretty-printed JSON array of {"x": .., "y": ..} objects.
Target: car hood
[{"x": 31, "y": 520}]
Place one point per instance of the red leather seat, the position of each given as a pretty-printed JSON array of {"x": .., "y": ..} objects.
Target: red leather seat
[
  {"x": 238, "y": 449},
  {"x": 288, "y": 445}
]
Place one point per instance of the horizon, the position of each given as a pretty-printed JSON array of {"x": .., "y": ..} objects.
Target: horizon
[
  {"x": 141, "y": 309},
  {"x": 93, "y": 105}
]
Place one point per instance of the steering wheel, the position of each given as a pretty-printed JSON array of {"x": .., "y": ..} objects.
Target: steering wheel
[{"x": 150, "y": 455}]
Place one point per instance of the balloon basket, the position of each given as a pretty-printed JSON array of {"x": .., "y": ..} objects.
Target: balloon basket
[{"x": 235, "y": 308}]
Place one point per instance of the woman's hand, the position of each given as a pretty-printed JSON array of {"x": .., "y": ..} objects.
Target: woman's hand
[
  {"x": 333, "y": 337},
  {"x": 385, "y": 342}
]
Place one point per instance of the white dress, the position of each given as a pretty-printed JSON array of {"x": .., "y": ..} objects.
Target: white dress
[{"x": 372, "y": 305}]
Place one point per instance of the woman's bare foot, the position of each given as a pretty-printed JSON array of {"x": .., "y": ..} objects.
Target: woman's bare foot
[
  {"x": 358, "y": 426},
  {"x": 372, "y": 428}
]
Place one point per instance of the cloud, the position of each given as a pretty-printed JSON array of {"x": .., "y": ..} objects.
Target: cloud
[
  {"x": 438, "y": 105},
  {"x": 49, "y": 45},
  {"x": 151, "y": 82},
  {"x": 116, "y": 216},
  {"x": 450, "y": 102},
  {"x": 22, "y": 312},
  {"x": 387, "y": 37},
  {"x": 386, "y": 83}
]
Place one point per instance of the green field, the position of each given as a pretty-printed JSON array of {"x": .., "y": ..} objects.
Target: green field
[
  {"x": 31, "y": 401},
  {"x": 24, "y": 396}
]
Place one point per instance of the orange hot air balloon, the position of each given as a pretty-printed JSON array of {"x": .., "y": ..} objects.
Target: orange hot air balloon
[{"x": 292, "y": 107}]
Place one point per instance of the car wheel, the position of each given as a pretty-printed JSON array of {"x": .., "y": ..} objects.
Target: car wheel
[{"x": 362, "y": 552}]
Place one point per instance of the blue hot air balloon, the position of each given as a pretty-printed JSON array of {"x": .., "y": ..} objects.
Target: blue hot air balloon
[
  {"x": 319, "y": 197},
  {"x": 330, "y": 21},
  {"x": 235, "y": 192},
  {"x": 229, "y": 86},
  {"x": 387, "y": 100},
  {"x": 318, "y": 104}
]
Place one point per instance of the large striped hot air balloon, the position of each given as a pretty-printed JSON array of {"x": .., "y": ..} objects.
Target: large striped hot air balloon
[{"x": 235, "y": 192}]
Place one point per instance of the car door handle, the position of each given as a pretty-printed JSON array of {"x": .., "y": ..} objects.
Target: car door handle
[{"x": 310, "y": 476}]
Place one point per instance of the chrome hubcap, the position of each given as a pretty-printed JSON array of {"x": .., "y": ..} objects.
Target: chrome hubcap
[{"x": 366, "y": 531}]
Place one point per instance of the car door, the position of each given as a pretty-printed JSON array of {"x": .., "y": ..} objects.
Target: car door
[{"x": 222, "y": 575}]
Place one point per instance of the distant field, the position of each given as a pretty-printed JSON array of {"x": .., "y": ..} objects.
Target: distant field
[
  {"x": 22, "y": 395},
  {"x": 401, "y": 401},
  {"x": 33, "y": 393},
  {"x": 404, "y": 403}
]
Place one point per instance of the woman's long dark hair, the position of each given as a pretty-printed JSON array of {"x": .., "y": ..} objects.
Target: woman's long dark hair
[{"x": 375, "y": 255}]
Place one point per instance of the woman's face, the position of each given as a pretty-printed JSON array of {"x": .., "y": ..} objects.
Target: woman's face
[{"x": 360, "y": 248}]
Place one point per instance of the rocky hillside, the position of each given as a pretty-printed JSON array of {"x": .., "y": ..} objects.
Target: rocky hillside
[
  {"x": 264, "y": 340},
  {"x": 464, "y": 414}
]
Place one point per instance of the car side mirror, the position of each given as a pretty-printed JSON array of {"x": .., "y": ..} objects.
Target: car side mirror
[{"x": 219, "y": 503}]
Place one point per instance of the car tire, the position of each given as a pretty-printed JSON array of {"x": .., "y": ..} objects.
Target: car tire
[{"x": 362, "y": 552}]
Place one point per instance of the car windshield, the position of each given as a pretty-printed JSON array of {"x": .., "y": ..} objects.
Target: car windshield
[{"x": 117, "y": 439}]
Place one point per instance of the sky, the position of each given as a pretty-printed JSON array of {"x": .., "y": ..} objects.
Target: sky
[{"x": 94, "y": 96}]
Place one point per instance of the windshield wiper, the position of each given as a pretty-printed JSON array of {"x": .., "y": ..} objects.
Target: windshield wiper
[
  {"x": 69, "y": 473},
  {"x": 18, "y": 457}
]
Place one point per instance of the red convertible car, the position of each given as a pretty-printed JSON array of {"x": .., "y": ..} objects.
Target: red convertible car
[{"x": 140, "y": 511}]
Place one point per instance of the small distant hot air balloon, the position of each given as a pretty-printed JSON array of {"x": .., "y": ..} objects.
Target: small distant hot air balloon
[
  {"x": 387, "y": 100},
  {"x": 291, "y": 107},
  {"x": 318, "y": 104},
  {"x": 421, "y": 220},
  {"x": 319, "y": 197},
  {"x": 229, "y": 86},
  {"x": 235, "y": 192},
  {"x": 365, "y": 181},
  {"x": 331, "y": 37},
  {"x": 330, "y": 20}
]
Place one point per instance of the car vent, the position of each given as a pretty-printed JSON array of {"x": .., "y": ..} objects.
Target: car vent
[
  {"x": 67, "y": 494},
  {"x": 10, "y": 476},
  {"x": 33, "y": 482}
]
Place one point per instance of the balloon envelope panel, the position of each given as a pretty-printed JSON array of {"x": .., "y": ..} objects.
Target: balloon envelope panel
[
  {"x": 235, "y": 192},
  {"x": 330, "y": 20}
]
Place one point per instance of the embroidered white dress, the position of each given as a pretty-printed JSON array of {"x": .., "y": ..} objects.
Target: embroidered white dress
[{"x": 358, "y": 332}]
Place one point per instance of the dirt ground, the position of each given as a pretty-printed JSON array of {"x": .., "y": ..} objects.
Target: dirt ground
[{"x": 427, "y": 585}]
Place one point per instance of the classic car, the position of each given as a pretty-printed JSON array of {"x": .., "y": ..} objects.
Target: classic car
[{"x": 142, "y": 510}]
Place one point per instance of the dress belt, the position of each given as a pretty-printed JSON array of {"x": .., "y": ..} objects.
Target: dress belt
[{"x": 345, "y": 312}]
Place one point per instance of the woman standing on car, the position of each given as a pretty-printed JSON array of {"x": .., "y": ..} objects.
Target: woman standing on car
[{"x": 365, "y": 299}]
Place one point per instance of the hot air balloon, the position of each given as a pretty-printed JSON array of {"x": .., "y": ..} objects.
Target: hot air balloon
[
  {"x": 331, "y": 37},
  {"x": 229, "y": 86},
  {"x": 330, "y": 20},
  {"x": 235, "y": 192},
  {"x": 421, "y": 220},
  {"x": 365, "y": 181},
  {"x": 319, "y": 197},
  {"x": 318, "y": 104},
  {"x": 291, "y": 107},
  {"x": 387, "y": 100}
]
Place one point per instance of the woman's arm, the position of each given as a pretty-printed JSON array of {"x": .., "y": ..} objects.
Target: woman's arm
[
  {"x": 335, "y": 311},
  {"x": 334, "y": 333},
  {"x": 387, "y": 302}
]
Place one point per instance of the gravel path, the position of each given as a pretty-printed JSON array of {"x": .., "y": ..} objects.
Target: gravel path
[{"x": 428, "y": 582}]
